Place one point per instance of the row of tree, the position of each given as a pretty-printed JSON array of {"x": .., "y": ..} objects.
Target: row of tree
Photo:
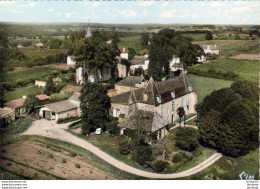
[{"x": 230, "y": 119}]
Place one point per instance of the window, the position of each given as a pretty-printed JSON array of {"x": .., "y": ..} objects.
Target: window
[
  {"x": 173, "y": 106},
  {"x": 173, "y": 94},
  {"x": 182, "y": 101},
  {"x": 116, "y": 112},
  {"x": 162, "y": 110},
  {"x": 158, "y": 99},
  {"x": 190, "y": 88}
]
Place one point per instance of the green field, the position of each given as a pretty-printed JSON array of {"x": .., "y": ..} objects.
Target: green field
[
  {"x": 246, "y": 69},
  {"x": 19, "y": 92},
  {"x": 36, "y": 53},
  {"x": 135, "y": 44},
  {"x": 195, "y": 36},
  {"x": 230, "y": 168},
  {"x": 205, "y": 85},
  {"x": 36, "y": 73}
]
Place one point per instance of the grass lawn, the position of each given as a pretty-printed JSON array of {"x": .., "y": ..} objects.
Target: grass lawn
[
  {"x": 192, "y": 121},
  {"x": 36, "y": 73},
  {"x": 246, "y": 69},
  {"x": 205, "y": 85},
  {"x": 198, "y": 155},
  {"x": 19, "y": 92},
  {"x": 36, "y": 53},
  {"x": 230, "y": 168}
]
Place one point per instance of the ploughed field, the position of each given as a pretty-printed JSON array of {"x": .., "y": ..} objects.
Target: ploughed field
[{"x": 33, "y": 160}]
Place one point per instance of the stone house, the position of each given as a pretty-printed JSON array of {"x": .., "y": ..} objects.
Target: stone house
[
  {"x": 18, "y": 105},
  {"x": 175, "y": 64},
  {"x": 124, "y": 53},
  {"x": 121, "y": 68},
  {"x": 128, "y": 84},
  {"x": 161, "y": 98},
  {"x": 139, "y": 62},
  {"x": 7, "y": 116},
  {"x": 71, "y": 89},
  {"x": 40, "y": 83}
]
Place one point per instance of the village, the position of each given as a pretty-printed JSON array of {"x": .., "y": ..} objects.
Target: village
[{"x": 138, "y": 114}]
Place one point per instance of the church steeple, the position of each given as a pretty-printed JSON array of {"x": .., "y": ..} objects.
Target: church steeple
[{"x": 88, "y": 35}]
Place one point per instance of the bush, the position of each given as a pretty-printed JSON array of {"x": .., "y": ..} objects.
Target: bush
[
  {"x": 158, "y": 165},
  {"x": 187, "y": 139},
  {"x": 64, "y": 160},
  {"x": 124, "y": 147},
  {"x": 66, "y": 120},
  {"x": 179, "y": 157},
  {"x": 142, "y": 154},
  {"x": 77, "y": 165},
  {"x": 112, "y": 127},
  {"x": 74, "y": 124},
  {"x": 50, "y": 156},
  {"x": 73, "y": 154}
]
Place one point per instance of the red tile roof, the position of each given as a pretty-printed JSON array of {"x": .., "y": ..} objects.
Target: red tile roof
[
  {"x": 17, "y": 103},
  {"x": 42, "y": 97},
  {"x": 73, "y": 89},
  {"x": 124, "y": 50}
]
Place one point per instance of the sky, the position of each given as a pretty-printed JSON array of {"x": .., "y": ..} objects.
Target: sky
[{"x": 132, "y": 12}]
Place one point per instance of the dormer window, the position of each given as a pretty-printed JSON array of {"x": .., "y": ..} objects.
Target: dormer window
[
  {"x": 190, "y": 88},
  {"x": 158, "y": 98},
  {"x": 173, "y": 94}
]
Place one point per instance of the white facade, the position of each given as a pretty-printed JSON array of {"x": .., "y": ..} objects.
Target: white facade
[
  {"x": 71, "y": 61},
  {"x": 201, "y": 58},
  {"x": 124, "y": 55},
  {"x": 103, "y": 75},
  {"x": 144, "y": 66},
  {"x": 173, "y": 63}
]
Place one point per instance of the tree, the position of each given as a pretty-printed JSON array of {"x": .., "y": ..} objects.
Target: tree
[
  {"x": 50, "y": 87},
  {"x": 246, "y": 89},
  {"x": 124, "y": 147},
  {"x": 239, "y": 132},
  {"x": 209, "y": 129},
  {"x": 208, "y": 36},
  {"x": 218, "y": 100},
  {"x": 158, "y": 165},
  {"x": 187, "y": 139},
  {"x": 181, "y": 113},
  {"x": 142, "y": 154},
  {"x": 26, "y": 43},
  {"x": 131, "y": 53},
  {"x": 198, "y": 109},
  {"x": 95, "y": 105},
  {"x": 30, "y": 104},
  {"x": 144, "y": 39}
]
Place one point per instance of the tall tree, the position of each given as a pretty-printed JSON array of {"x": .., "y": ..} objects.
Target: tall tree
[
  {"x": 181, "y": 113},
  {"x": 95, "y": 105},
  {"x": 208, "y": 36},
  {"x": 50, "y": 87}
]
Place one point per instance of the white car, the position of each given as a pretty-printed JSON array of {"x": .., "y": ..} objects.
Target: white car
[{"x": 98, "y": 131}]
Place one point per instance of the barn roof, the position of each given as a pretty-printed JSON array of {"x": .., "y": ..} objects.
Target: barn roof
[
  {"x": 61, "y": 106},
  {"x": 130, "y": 81}
]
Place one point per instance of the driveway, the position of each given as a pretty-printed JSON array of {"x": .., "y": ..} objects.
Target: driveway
[{"x": 58, "y": 131}]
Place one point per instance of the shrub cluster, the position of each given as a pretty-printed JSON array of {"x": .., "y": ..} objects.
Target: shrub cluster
[{"x": 66, "y": 120}]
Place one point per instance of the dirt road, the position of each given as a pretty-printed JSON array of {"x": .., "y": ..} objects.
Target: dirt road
[{"x": 58, "y": 131}]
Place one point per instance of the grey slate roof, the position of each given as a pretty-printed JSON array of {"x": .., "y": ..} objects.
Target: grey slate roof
[
  {"x": 61, "y": 106},
  {"x": 130, "y": 81},
  {"x": 149, "y": 121}
]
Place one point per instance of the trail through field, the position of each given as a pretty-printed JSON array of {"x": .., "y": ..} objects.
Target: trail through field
[{"x": 58, "y": 131}]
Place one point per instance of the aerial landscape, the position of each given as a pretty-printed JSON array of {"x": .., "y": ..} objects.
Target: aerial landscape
[{"x": 108, "y": 95}]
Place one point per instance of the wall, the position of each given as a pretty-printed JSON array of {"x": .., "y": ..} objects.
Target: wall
[
  {"x": 69, "y": 113},
  {"x": 124, "y": 55},
  {"x": 121, "y": 70},
  {"x": 123, "y": 108},
  {"x": 123, "y": 89}
]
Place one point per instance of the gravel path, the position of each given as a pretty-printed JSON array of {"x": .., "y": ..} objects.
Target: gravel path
[{"x": 58, "y": 131}]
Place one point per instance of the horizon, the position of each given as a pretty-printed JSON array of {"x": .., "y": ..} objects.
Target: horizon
[{"x": 132, "y": 12}]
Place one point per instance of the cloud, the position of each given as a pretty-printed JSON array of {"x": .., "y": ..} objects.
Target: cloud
[
  {"x": 127, "y": 13},
  {"x": 194, "y": 16},
  {"x": 244, "y": 20},
  {"x": 51, "y": 10},
  {"x": 145, "y": 13},
  {"x": 168, "y": 14},
  {"x": 96, "y": 4},
  {"x": 7, "y": 2},
  {"x": 239, "y": 10},
  {"x": 30, "y": 4},
  {"x": 216, "y": 4},
  {"x": 146, "y": 3},
  {"x": 164, "y": 4},
  {"x": 70, "y": 14}
]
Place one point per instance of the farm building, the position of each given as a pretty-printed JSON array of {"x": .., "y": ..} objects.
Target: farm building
[
  {"x": 18, "y": 105},
  {"x": 42, "y": 97},
  {"x": 141, "y": 62},
  {"x": 40, "y": 83},
  {"x": 211, "y": 50},
  {"x": 7, "y": 116},
  {"x": 59, "y": 110}
]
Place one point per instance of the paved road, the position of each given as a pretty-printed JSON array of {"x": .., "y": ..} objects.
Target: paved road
[
  {"x": 182, "y": 124},
  {"x": 58, "y": 131}
]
